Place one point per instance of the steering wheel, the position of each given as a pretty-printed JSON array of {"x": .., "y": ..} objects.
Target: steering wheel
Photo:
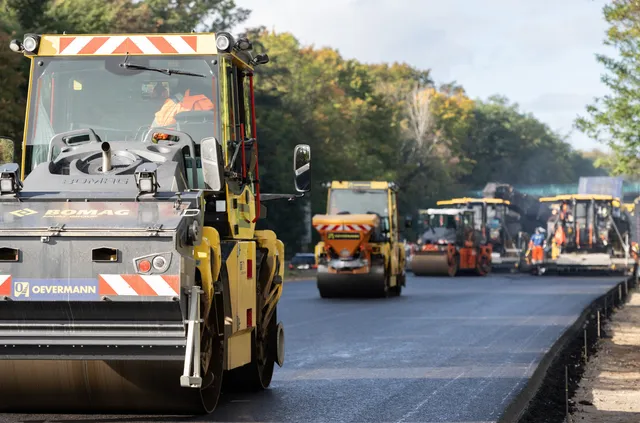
[{"x": 195, "y": 116}]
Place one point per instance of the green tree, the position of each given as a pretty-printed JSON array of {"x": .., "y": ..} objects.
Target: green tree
[
  {"x": 507, "y": 145},
  {"x": 613, "y": 118}
]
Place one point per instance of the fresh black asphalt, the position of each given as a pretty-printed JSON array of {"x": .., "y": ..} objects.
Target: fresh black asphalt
[{"x": 446, "y": 350}]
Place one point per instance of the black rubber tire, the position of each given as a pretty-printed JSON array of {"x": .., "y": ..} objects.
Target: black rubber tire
[{"x": 256, "y": 375}]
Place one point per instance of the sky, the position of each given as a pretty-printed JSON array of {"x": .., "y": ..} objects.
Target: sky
[{"x": 540, "y": 54}]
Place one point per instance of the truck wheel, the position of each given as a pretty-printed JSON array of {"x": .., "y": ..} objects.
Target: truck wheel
[
  {"x": 257, "y": 375},
  {"x": 384, "y": 289},
  {"x": 454, "y": 265},
  {"x": 400, "y": 281},
  {"x": 483, "y": 266},
  {"x": 213, "y": 346}
]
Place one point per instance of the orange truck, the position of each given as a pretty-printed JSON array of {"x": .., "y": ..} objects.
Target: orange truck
[{"x": 360, "y": 252}]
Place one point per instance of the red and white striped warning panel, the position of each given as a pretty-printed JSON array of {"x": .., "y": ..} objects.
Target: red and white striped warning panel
[
  {"x": 5, "y": 285},
  {"x": 139, "y": 285},
  {"x": 87, "y": 45},
  {"x": 350, "y": 227}
]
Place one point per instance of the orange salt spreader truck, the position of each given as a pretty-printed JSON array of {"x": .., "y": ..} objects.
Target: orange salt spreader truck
[{"x": 360, "y": 252}]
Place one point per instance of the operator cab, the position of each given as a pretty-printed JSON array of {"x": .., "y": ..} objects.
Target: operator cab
[
  {"x": 366, "y": 198},
  {"x": 449, "y": 226}
]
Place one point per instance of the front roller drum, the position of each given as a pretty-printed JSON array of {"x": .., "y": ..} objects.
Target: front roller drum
[
  {"x": 76, "y": 386},
  {"x": 372, "y": 284},
  {"x": 433, "y": 264},
  {"x": 125, "y": 379}
]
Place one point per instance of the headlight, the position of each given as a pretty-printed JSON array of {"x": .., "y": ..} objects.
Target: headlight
[
  {"x": 223, "y": 42},
  {"x": 159, "y": 262},
  {"x": 30, "y": 43}
]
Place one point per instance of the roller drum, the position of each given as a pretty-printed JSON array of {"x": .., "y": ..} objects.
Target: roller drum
[
  {"x": 431, "y": 265},
  {"x": 77, "y": 386},
  {"x": 372, "y": 284}
]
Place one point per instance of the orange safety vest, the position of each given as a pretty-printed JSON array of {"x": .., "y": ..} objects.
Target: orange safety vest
[
  {"x": 170, "y": 108},
  {"x": 559, "y": 236}
]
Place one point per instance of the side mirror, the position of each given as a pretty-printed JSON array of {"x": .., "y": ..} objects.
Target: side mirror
[
  {"x": 7, "y": 150},
  {"x": 212, "y": 166},
  {"x": 302, "y": 167}
]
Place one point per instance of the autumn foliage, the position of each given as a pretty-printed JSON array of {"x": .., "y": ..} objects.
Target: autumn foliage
[{"x": 386, "y": 121}]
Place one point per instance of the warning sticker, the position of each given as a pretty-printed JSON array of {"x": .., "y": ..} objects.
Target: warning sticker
[{"x": 343, "y": 235}]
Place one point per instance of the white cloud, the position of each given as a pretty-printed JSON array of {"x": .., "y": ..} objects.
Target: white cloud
[{"x": 527, "y": 51}]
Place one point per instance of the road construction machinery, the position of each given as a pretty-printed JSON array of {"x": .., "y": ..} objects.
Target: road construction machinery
[
  {"x": 133, "y": 278},
  {"x": 451, "y": 244},
  {"x": 588, "y": 232},
  {"x": 499, "y": 225},
  {"x": 360, "y": 252}
]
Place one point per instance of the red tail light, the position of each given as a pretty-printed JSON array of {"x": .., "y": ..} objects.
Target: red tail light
[{"x": 315, "y": 266}]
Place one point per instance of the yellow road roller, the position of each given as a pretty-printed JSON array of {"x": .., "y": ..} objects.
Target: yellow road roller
[
  {"x": 132, "y": 276},
  {"x": 359, "y": 253}
]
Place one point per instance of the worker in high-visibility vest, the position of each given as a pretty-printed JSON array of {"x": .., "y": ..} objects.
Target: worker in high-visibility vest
[
  {"x": 536, "y": 246},
  {"x": 194, "y": 98}
]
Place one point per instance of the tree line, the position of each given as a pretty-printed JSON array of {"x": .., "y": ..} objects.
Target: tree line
[{"x": 387, "y": 121}]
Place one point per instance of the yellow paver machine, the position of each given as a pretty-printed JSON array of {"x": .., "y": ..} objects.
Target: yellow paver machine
[{"x": 588, "y": 232}]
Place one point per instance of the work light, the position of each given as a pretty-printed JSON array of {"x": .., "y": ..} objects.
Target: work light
[
  {"x": 30, "y": 43},
  {"x": 224, "y": 42},
  {"x": 9, "y": 181},
  {"x": 147, "y": 178},
  {"x": 16, "y": 46}
]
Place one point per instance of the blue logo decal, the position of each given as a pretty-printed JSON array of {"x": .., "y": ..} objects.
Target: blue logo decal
[{"x": 28, "y": 289}]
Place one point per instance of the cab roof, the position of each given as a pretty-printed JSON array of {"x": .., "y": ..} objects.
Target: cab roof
[
  {"x": 579, "y": 197},
  {"x": 447, "y": 211},
  {"x": 467, "y": 200},
  {"x": 364, "y": 185},
  {"x": 122, "y": 44}
]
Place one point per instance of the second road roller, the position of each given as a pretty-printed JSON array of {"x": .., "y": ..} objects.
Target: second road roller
[
  {"x": 359, "y": 253},
  {"x": 132, "y": 276},
  {"x": 451, "y": 245}
]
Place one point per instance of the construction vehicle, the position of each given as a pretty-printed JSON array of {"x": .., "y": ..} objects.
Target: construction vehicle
[
  {"x": 587, "y": 232},
  {"x": 451, "y": 244},
  {"x": 360, "y": 252},
  {"x": 133, "y": 277},
  {"x": 500, "y": 225}
]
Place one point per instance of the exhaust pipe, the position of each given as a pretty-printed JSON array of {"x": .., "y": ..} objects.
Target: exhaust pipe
[{"x": 106, "y": 157}]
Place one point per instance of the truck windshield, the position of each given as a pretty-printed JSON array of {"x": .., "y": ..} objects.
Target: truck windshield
[
  {"x": 360, "y": 201},
  {"x": 442, "y": 221},
  {"x": 119, "y": 103}
]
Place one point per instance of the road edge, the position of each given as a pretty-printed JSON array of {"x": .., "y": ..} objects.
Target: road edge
[{"x": 519, "y": 406}]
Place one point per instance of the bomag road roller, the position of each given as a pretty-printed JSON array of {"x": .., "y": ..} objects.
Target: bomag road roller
[
  {"x": 451, "y": 244},
  {"x": 501, "y": 225},
  {"x": 133, "y": 278},
  {"x": 588, "y": 232},
  {"x": 359, "y": 252}
]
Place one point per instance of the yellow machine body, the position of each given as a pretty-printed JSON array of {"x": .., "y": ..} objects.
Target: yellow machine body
[
  {"x": 360, "y": 252},
  {"x": 588, "y": 232},
  {"x": 238, "y": 269}
]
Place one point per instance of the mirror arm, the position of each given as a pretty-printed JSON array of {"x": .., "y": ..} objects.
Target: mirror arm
[{"x": 289, "y": 197}]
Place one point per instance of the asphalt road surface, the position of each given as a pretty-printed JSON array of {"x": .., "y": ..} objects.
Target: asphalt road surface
[{"x": 447, "y": 350}]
